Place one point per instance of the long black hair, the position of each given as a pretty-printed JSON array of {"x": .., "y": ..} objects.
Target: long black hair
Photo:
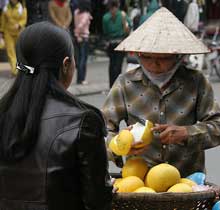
[{"x": 42, "y": 46}]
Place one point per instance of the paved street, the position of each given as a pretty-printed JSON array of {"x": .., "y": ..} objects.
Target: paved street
[{"x": 95, "y": 93}]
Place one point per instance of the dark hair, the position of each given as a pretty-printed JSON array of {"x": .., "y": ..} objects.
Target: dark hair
[
  {"x": 21, "y": 1},
  {"x": 84, "y": 6},
  {"x": 113, "y": 3},
  {"x": 42, "y": 46}
]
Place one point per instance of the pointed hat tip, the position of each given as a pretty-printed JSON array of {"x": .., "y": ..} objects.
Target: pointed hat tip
[{"x": 165, "y": 11}]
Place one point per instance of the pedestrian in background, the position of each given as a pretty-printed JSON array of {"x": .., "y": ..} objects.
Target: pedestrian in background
[
  {"x": 14, "y": 18},
  {"x": 82, "y": 21},
  {"x": 60, "y": 13},
  {"x": 152, "y": 7},
  {"x": 179, "y": 8},
  {"x": 135, "y": 14},
  {"x": 116, "y": 26},
  {"x": 123, "y": 5},
  {"x": 191, "y": 19},
  {"x": 52, "y": 145},
  {"x": 37, "y": 10},
  {"x": 74, "y": 5},
  {"x": 2, "y": 4}
]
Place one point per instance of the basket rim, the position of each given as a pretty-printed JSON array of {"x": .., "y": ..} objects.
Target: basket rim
[{"x": 169, "y": 196}]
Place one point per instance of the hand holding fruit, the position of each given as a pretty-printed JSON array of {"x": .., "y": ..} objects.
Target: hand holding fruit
[
  {"x": 137, "y": 147},
  {"x": 132, "y": 140},
  {"x": 136, "y": 150},
  {"x": 171, "y": 134}
]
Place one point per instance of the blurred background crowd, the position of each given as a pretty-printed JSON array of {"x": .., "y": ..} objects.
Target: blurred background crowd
[{"x": 89, "y": 24}]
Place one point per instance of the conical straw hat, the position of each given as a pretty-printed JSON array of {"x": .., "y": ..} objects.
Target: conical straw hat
[{"x": 162, "y": 33}]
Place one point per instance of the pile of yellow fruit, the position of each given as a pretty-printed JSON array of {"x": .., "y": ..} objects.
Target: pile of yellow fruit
[{"x": 136, "y": 177}]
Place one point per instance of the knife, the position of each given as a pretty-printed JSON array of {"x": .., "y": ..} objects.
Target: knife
[{"x": 138, "y": 119}]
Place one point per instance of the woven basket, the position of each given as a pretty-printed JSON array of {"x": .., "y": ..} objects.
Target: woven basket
[{"x": 203, "y": 200}]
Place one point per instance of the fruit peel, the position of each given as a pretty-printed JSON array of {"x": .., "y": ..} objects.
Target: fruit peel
[{"x": 142, "y": 134}]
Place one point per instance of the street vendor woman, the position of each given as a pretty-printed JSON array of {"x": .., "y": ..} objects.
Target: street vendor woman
[{"x": 179, "y": 101}]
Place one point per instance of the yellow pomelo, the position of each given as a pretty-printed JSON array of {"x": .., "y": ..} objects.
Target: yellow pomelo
[
  {"x": 117, "y": 181},
  {"x": 180, "y": 187},
  {"x": 142, "y": 134},
  {"x": 135, "y": 166},
  {"x": 124, "y": 141},
  {"x": 188, "y": 181},
  {"x": 145, "y": 189},
  {"x": 162, "y": 176},
  {"x": 121, "y": 143},
  {"x": 113, "y": 146},
  {"x": 130, "y": 184}
]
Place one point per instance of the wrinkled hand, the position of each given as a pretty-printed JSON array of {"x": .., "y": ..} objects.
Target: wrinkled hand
[
  {"x": 137, "y": 151},
  {"x": 171, "y": 134}
]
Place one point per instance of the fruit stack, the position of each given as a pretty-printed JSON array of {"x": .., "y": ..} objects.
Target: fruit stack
[{"x": 136, "y": 177}]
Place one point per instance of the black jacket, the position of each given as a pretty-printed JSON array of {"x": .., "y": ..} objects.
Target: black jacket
[
  {"x": 66, "y": 170},
  {"x": 37, "y": 10}
]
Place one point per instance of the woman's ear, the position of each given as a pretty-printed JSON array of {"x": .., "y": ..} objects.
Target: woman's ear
[{"x": 66, "y": 63}]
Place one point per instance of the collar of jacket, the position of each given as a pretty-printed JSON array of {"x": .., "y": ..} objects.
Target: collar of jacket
[{"x": 135, "y": 74}]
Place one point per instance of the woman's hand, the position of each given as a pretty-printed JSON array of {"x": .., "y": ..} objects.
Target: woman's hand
[{"x": 171, "y": 134}]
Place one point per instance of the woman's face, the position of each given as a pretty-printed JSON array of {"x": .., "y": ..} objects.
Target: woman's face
[{"x": 157, "y": 63}]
